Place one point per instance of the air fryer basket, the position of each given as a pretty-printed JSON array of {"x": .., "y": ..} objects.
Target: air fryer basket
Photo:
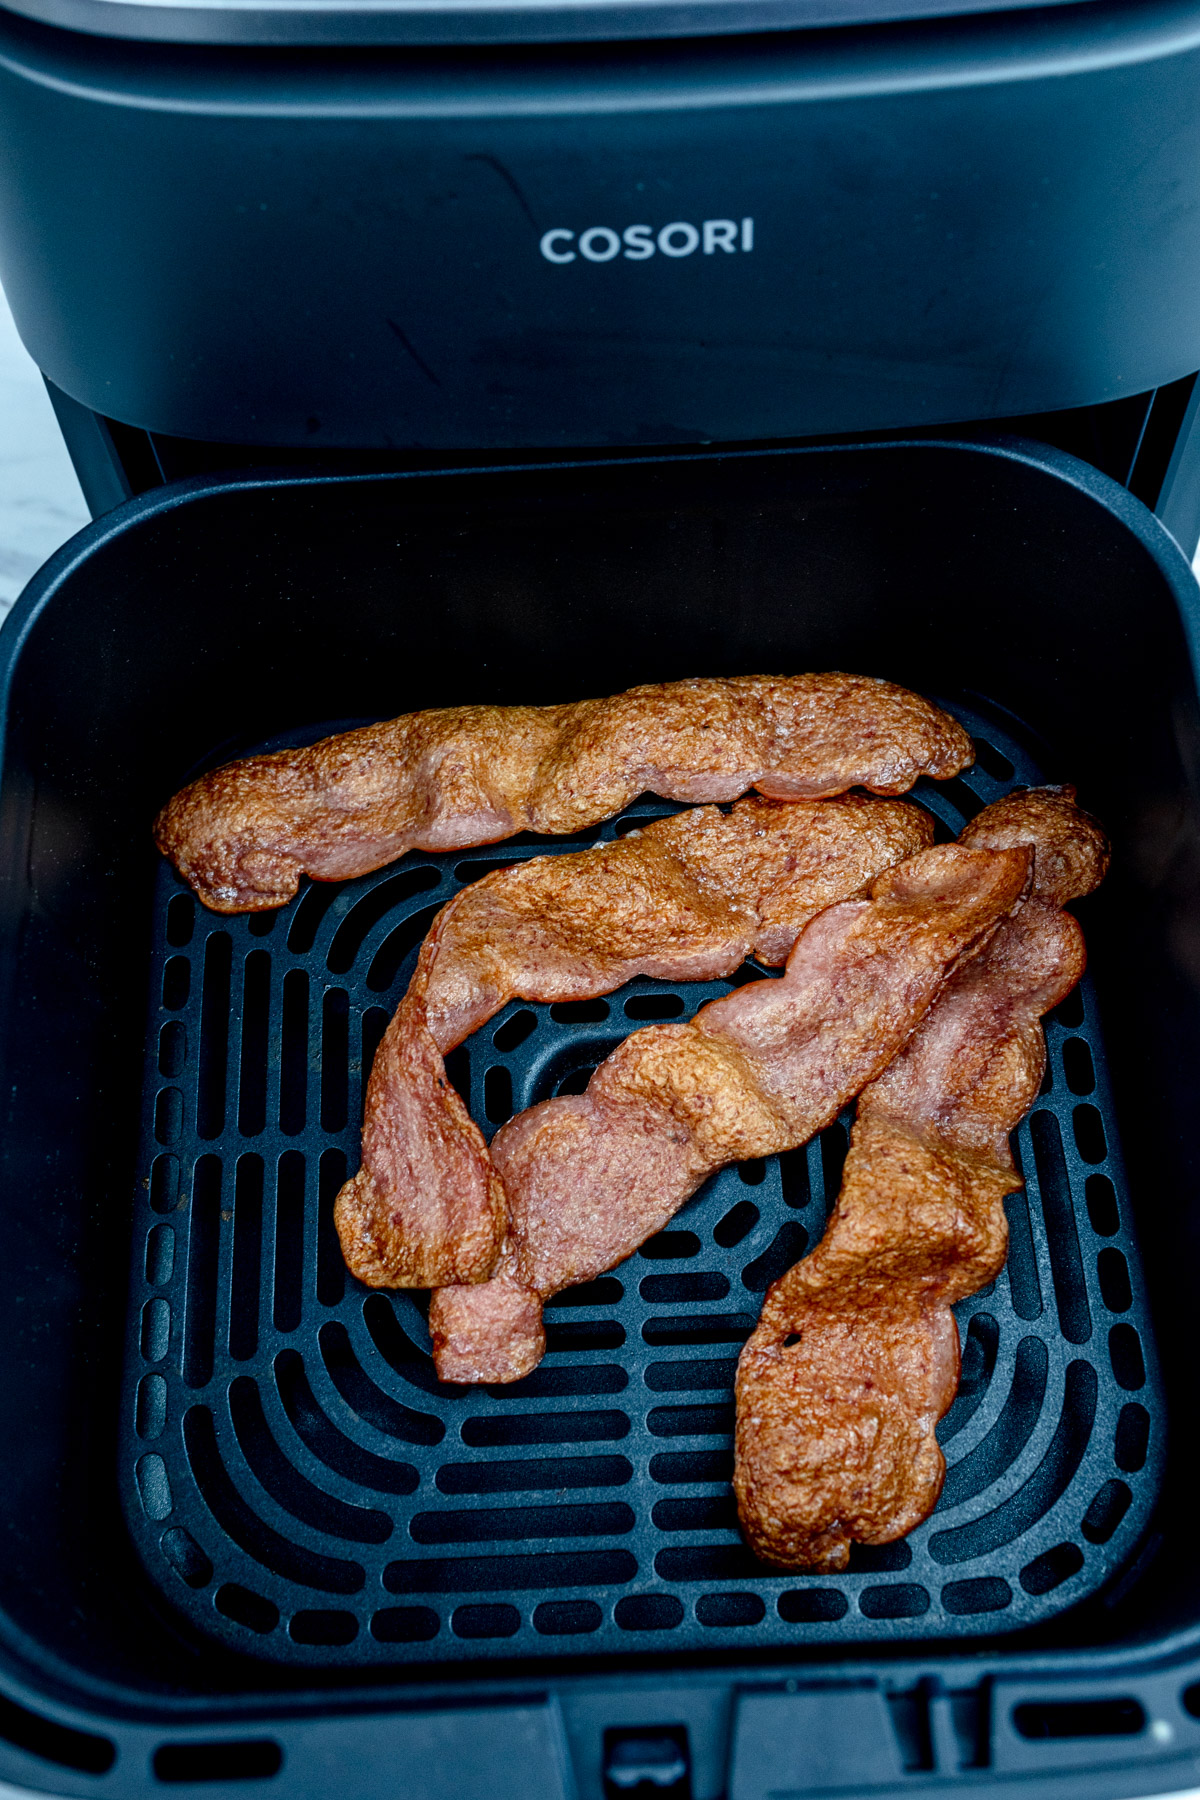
[
  {"x": 216, "y": 616},
  {"x": 300, "y": 1484}
]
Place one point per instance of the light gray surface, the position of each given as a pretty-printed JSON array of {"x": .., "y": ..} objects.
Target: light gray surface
[{"x": 40, "y": 501}]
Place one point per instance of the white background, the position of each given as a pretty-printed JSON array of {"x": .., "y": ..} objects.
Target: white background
[{"x": 40, "y": 501}]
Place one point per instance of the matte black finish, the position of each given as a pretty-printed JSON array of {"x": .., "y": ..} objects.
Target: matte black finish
[
  {"x": 951, "y": 219},
  {"x": 210, "y": 617},
  {"x": 301, "y": 1485}
]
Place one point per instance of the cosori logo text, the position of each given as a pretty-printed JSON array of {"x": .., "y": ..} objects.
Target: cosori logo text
[{"x": 601, "y": 244}]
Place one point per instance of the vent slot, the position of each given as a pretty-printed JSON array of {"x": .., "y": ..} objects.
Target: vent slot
[
  {"x": 510, "y": 1574},
  {"x": 289, "y": 1241},
  {"x": 247, "y": 1258},
  {"x": 250, "y": 1759},
  {"x": 1062, "y": 1235},
  {"x": 1013, "y": 1429},
  {"x": 398, "y": 947},
  {"x": 538, "y": 1475},
  {"x": 256, "y": 1041},
  {"x": 293, "y": 1056},
  {"x": 39, "y": 1736},
  {"x": 214, "y": 1036},
  {"x": 203, "y": 1244},
  {"x": 545, "y": 1428},
  {"x": 1050, "y": 1719},
  {"x": 489, "y": 1526},
  {"x": 738, "y": 1223}
]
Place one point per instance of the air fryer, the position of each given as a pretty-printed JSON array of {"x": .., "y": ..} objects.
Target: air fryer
[{"x": 414, "y": 354}]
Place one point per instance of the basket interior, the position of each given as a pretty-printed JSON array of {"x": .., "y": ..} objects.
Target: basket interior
[
  {"x": 301, "y": 1485},
  {"x": 199, "y": 626}
]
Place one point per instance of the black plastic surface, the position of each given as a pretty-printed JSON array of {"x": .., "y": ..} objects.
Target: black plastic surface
[
  {"x": 204, "y": 618},
  {"x": 1149, "y": 442},
  {"x": 301, "y": 1485},
  {"x": 970, "y": 218}
]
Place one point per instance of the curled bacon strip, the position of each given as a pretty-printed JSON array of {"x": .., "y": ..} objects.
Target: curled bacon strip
[
  {"x": 243, "y": 835},
  {"x": 856, "y": 1357},
  {"x": 686, "y": 898},
  {"x": 589, "y": 1178}
]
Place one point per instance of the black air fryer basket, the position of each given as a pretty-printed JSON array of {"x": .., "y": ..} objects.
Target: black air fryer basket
[{"x": 245, "y": 1533}]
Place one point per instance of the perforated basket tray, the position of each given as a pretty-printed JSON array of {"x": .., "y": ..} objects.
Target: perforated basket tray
[{"x": 300, "y": 1485}]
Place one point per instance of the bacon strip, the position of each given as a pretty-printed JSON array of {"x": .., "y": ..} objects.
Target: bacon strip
[
  {"x": 589, "y": 1178},
  {"x": 243, "y": 835},
  {"x": 687, "y": 898},
  {"x": 856, "y": 1357}
]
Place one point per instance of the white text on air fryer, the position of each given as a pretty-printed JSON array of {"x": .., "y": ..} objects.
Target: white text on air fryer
[{"x": 600, "y": 243}]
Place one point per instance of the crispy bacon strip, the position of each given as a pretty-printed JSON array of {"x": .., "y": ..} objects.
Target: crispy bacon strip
[
  {"x": 856, "y": 1357},
  {"x": 589, "y": 1178},
  {"x": 687, "y": 898},
  {"x": 243, "y": 835}
]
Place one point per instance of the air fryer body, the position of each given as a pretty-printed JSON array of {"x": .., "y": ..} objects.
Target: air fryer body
[
  {"x": 670, "y": 242},
  {"x": 457, "y": 315}
]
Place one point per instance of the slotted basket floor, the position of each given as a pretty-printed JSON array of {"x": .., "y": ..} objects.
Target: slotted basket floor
[{"x": 301, "y": 1486}]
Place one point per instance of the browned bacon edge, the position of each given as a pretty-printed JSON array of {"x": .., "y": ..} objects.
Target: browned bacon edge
[{"x": 243, "y": 835}]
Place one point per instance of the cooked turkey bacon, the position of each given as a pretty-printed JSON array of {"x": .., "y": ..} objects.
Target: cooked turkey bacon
[
  {"x": 856, "y": 1357},
  {"x": 243, "y": 835},
  {"x": 687, "y": 898},
  {"x": 589, "y": 1178},
  {"x": 684, "y": 898}
]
